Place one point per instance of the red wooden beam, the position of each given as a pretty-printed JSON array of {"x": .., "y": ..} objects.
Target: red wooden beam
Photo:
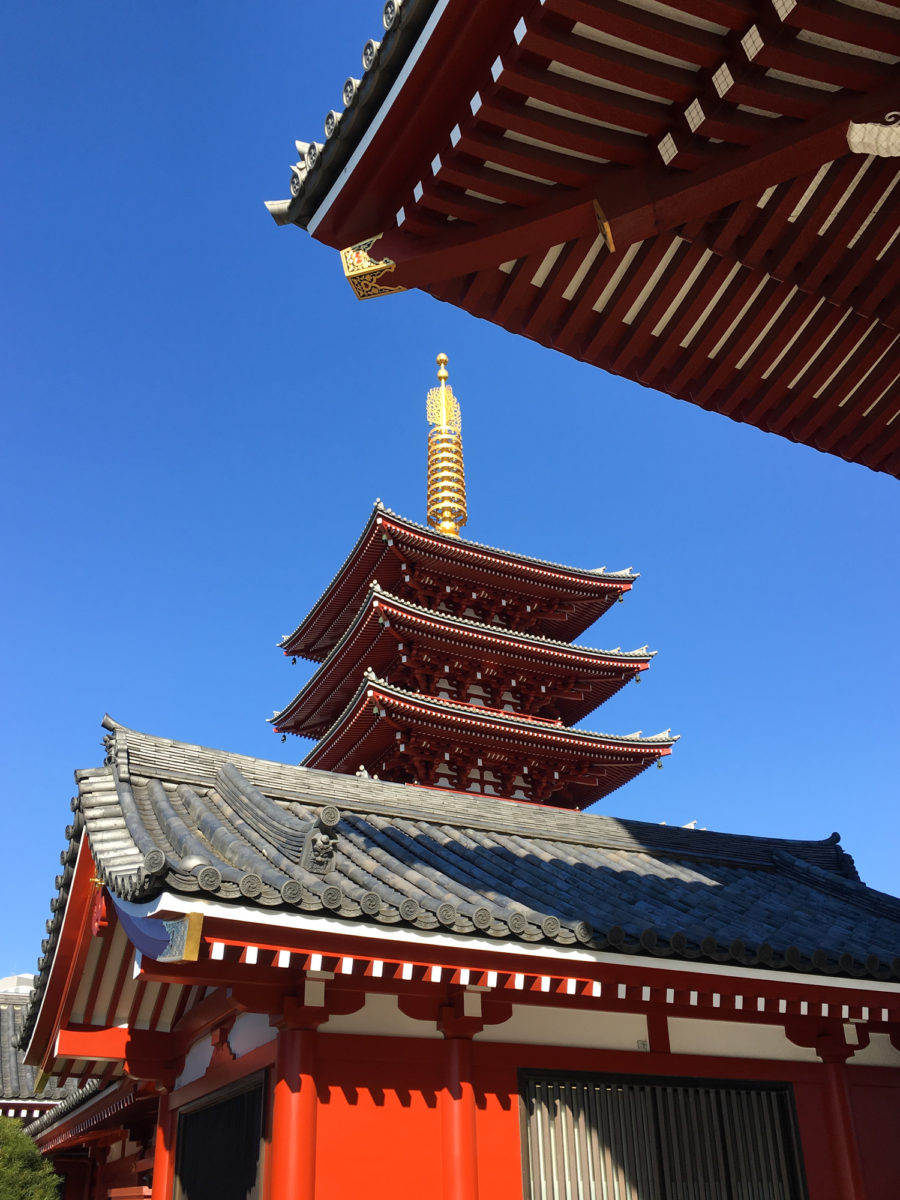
[
  {"x": 565, "y": 132},
  {"x": 637, "y": 203},
  {"x": 853, "y": 25},
  {"x": 806, "y": 60},
  {"x": 98, "y": 1043},
  {"x": 615, "y": 67},
  {"x": 642, "y": 28},
  {"x": 593, "y": 101}
]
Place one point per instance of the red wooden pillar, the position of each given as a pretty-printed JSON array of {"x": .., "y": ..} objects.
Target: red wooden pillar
[
  {"x": 460, "y": 1148},
  {"x": 846, "y": 1149},
  {"x": 459, "y": 1022},
  {"x": 294, "y": 1109},
  {"x": 164, "y": 1151},
  {"x": 76, "y": 1174}
]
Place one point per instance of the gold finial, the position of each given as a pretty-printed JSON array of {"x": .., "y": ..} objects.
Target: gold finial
[{"x": 446, "y": 477}]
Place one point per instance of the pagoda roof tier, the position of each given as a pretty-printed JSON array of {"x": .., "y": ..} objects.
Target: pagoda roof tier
[
  {"x": 380, "y": 715},
  {"x": 553, "y": 599},
  {"x": 693, "y": 195},
  {"x": 386, "y": 628}
]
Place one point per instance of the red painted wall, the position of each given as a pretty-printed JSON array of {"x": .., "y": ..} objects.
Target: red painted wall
[
  {"x": 380, "y": 1097},
  {"x": 379, "y": 1123},
  {"x": 875, "y": 1103}
]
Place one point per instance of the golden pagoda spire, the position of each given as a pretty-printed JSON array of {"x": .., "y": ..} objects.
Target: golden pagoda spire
[{"x": 446, "y": 476}]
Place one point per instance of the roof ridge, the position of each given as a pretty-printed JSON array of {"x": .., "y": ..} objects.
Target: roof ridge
[
  {"x": 293, "y": 782},
  {"x": 838, "y": 883}
]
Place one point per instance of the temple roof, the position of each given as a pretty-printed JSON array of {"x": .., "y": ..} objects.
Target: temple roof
[
  {"x": 586, "y": 594},
  {"x": 694, "y": 195},
  {"x": 17, "y": 1079},
  {"x": 366, "y": 729},
  {"x": 162, "y": 816},
  {"x": 599, "y": 673}
]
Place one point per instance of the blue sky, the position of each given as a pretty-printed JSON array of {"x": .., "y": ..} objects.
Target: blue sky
[{"x": 199, "y": 414}]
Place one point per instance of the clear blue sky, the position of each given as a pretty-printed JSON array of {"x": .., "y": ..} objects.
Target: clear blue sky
[{"x": 198, "y": 415}]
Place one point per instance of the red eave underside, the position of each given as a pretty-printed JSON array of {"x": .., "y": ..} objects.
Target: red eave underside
[
  {"x": 587, "y": 596},
  {"x": 778, "y": 308},
  {"x": 363, "y": 735},
  {"x": 315, "y": 708}
]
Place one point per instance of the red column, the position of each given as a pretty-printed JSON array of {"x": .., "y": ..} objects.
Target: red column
[
  {"x": 164, "y": 1151},
  {"x": 460, "y": 1155},
  {"x": 846, "y": 1150},
  {"x": 294, "y": 1108},
  {"x": 77, "y": 1177}
]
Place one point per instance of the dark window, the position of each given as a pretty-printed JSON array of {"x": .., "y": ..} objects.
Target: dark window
[
  {"x": 218, "y": 1149},
  {"x": 593, "y": 1137}
]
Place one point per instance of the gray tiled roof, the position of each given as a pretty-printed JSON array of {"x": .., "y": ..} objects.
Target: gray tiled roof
[
  {"x": 17, "y": 1080},
  {"x": 380, "y": 70},
  {"x": 74, "y": 1099},
  {"x": 163, "y": 815}
]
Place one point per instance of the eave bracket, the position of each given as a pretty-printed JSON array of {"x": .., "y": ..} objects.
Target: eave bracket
[{"x": 365, "y": 273}]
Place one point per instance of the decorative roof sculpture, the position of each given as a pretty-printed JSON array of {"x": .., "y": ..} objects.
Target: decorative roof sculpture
[{"x": 447, "y": 511}]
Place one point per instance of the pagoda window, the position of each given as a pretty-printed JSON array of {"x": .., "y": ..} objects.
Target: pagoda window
[
  {"x": 641, "y": 1138},
  {"x": 219, "y": 1145}
]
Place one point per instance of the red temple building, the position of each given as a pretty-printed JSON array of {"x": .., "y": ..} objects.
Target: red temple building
[
  {"x": 306, "y": 983},
  {"x": 698, "y": 195}
]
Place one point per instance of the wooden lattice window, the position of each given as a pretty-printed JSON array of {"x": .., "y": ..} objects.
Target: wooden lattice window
[
  {"x": 219, "y": 1146},
  {"x": 600, "y": 1137}
]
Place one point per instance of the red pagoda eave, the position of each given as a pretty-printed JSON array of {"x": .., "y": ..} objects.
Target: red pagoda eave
[
  {"x": 587, "y": 765},
  {"x": 379, "y": 637},
  {"x": 389, "y": 544},
  {"x": 672, "y": 195}
]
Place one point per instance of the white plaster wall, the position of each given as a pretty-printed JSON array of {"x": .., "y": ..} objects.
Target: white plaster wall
[
  {"x": 196, "y": 1062},
  {"x": 554, "y": 1026},
  {"x": 249, "y": 1031},
  {"x": 735, "y": 1039},
  {"x": 382, "y": 1017},
  {"x": 878, "y": 1053}
]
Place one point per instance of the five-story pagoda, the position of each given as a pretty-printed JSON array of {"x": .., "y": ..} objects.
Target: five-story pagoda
[{"x": 452, "y": 664}]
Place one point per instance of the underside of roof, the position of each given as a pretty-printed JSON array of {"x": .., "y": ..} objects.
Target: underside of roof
[
  {"x": 163, "y": 817},
  {"x": 597, "y": 673},
  {"x": 698, "y": 196}
]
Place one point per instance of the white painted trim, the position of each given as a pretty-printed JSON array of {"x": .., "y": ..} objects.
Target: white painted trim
[
  {"x": 381, "y": 937},
  {"x": 373, "y": 126}
]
